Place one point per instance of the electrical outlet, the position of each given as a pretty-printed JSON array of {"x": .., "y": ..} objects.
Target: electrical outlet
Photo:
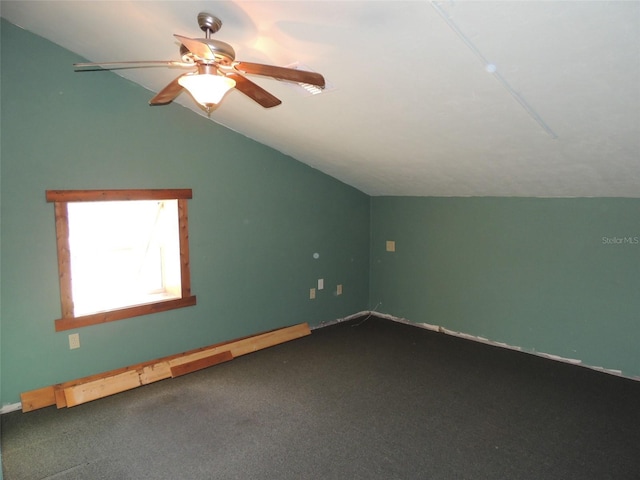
[
  {"x": 391, "y": 246},
  {"x": 320, "y": 283},
  {"x": 312, "y": 293},
  {"x": 339, "y": 290},
  {"x": 74, "y": 341}
]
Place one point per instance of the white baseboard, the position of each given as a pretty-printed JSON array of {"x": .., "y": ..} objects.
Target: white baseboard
[
  {"x": 340, "y": 320},
  {"x": 10, "y": 407},
  {"x": 572, "y": 361},
  {"x": 437, "y": 328}
]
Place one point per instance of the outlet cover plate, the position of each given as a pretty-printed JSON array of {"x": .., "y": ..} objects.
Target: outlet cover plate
[{"x": 74, "y": 341}]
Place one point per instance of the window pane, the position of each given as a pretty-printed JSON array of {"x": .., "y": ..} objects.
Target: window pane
[{"x": 119, "y": 253}]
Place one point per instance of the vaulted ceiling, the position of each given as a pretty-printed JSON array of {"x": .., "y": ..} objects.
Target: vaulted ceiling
[{"x": 451, "y": 98}]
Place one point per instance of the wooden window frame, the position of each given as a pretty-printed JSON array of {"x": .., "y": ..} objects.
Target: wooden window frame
[{"x": 60, "y": 199}]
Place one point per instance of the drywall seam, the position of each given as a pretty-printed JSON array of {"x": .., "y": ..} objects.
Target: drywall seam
[{"x": 491, "y": 68}]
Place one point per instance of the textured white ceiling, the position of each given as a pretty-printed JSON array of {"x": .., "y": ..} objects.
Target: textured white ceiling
[{"x": 429, "y": 98}]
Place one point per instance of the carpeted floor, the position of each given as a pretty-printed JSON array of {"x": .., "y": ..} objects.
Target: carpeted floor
[{"x": 365, "y": 399}]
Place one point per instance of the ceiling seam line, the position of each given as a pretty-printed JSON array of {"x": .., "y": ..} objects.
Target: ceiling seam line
[{"x": 491, "y": 68}]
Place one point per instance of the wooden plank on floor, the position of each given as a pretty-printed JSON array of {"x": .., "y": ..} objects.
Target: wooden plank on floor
[
  {"x": 35, "y": 399},
  {"x": 269, "y": 339},
  {"x": 199, "y": 364},
  {"x": 104, "y": 387},
  {"x": 61, "y": 387},
  {"x": 61, "y": 401},
  {"x": 189, "y": 357},
  {"x": 154, "y": 373},
  {"x": 160, "y": 369}
]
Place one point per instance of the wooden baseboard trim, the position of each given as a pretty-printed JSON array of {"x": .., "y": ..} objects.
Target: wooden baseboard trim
[{"x": 93, "y": 387}]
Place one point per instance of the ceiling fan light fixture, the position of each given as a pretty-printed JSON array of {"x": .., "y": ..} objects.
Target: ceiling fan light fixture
[
  {"x": 207, "y": 89},
  {"x": 217, "y": 72}
]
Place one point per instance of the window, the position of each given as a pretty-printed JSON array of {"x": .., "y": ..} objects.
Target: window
[{"x": 121, "y": 253}]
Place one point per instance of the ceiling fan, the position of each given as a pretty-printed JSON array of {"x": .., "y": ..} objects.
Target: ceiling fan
[{"x": 216, "y": 71}]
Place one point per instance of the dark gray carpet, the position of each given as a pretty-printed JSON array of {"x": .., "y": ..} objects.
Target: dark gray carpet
[{"x": 367, "y": 399}]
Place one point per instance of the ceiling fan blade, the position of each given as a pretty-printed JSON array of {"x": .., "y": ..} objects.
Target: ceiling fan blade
[
  {"x": 281, "y": 73},
  {"x": 198, "y": 48},
  {"x": 93, "y": 66},
  {"x": 168, "y": 93},
  {"x": 254, "y": 91}
]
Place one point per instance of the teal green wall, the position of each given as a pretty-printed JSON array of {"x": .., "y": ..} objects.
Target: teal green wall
[
  {"x": 529, "y": 272},
  {"x": 256, "y": 219}
]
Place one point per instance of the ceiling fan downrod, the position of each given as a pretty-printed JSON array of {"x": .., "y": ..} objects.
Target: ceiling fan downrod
[{"x": 209, "y": 24}]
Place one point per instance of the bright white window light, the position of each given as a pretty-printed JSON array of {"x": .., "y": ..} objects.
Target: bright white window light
[{"x": 123, "y": 253}]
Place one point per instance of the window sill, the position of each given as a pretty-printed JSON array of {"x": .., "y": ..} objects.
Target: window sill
[{"x": 70, "y": 323}]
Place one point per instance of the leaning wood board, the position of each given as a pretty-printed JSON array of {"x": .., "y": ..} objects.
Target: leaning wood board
[
  {"x": 89, "y": 388},
  {"x": 85, "y": 392},
  {"x": 199, "y": 364}
]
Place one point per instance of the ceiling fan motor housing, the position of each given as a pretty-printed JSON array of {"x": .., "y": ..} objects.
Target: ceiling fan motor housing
[{"x": 223, "y": 52}]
